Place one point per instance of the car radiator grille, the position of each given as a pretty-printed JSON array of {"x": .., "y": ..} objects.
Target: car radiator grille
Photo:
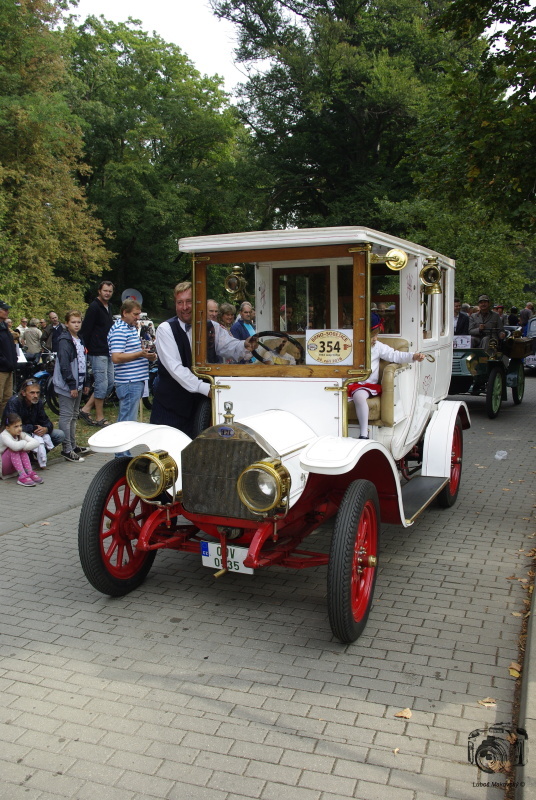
[
  {"x": 457, "y": 366},
  {"x": 210, "y": 470}
]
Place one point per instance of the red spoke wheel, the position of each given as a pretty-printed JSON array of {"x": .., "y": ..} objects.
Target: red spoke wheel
[
  {"x": 448, "y": 496},
  {"x": 353, "y": 560},
  {"x": 111, "y": 520}
]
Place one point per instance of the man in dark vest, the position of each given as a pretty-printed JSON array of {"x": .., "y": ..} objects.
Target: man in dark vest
[{"x": 177, "y": 390}]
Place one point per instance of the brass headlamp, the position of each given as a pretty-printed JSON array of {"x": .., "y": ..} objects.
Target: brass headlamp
[
  {"x": 264, "y": 486},
  {"x": 150, "y": 474}
]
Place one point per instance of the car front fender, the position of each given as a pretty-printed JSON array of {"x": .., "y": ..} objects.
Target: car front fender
[{"x": 124, "y": 436}]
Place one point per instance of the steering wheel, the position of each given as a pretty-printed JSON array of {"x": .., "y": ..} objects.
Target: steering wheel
[{"x": 278, "y": 335}]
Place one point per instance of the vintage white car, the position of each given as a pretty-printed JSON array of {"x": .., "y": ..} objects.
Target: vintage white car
[{"x": 281, "y": 453}]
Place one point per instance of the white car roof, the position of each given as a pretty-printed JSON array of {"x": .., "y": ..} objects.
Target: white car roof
[{"x": 262, "y": 240}]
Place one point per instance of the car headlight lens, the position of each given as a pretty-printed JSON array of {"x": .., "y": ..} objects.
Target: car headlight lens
[
  {"x": 151, "y": 474},
  {"x": 263, "y": 486},
  {"x": 472, "y": 363}
]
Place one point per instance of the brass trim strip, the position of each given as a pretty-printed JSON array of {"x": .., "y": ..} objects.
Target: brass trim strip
[{"x": 433, "y": 497}]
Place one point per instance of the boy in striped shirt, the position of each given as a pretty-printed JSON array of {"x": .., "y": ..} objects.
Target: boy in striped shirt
[{"x": 130, "y": 360}]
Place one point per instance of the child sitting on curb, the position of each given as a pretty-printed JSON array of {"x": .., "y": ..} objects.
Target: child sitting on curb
[
  {"x": 359, "y": 392},
  {"x": 14, "y": 447}
]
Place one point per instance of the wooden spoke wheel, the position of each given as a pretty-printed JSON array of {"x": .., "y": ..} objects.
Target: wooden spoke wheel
[
  {"x": 494, "y": 390},
  {"x": 448, "y": 496},
  {"x": 111, "y": 520},
  {"x": 353, "y": 561},
  {"x": 519, "y": 390}
]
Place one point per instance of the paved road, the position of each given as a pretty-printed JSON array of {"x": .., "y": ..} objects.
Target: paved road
[{"x": 196, "y": 689}]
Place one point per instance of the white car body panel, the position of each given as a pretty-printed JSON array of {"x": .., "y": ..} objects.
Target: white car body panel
[
  {"x": 123, "y": 436},
  {"x": 436, "y": 457}
]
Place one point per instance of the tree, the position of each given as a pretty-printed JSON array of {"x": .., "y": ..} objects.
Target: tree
[
  {"x": 490, "y": 256},
  {"x": 490, "y": 152},
  {"x": 348, "y": 84},
  {"x": 49, "y": 242},
  {"x": 168, "y": 155}
]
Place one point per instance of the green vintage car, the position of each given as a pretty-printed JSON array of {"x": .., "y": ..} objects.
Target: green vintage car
[{"x": 477, "y": 371}]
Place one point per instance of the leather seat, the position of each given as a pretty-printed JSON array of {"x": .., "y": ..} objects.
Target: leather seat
[{"x": 382, "y": 408}]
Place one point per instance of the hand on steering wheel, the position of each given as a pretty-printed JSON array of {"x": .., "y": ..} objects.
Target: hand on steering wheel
[{"x": 278, "y": 335}]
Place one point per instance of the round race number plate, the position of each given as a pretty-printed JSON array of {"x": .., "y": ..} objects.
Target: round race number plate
[{"x": 329, "y": 347}]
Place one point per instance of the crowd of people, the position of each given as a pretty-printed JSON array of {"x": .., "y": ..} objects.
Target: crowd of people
[
  {"x": 483, "y": 320},
  {"x": 120, "y": 350}
]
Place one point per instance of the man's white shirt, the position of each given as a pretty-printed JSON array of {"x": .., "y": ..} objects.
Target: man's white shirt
[{"x": 168, "y": 353}]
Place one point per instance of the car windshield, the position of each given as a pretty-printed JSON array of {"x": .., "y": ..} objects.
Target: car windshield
[{"x": 301, "y": 313}]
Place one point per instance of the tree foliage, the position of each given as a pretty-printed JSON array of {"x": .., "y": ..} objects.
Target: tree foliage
[
  {"x": 168, "y": 155},
  {"x": 490, "y": 256},
  {"x": 49, "y": 241},
  {"x": 486, "y": 145},
  {"x": 349, "y": 82}
]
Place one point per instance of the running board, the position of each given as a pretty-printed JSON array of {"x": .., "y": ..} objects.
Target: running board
[{"x": 418, "y": 493}]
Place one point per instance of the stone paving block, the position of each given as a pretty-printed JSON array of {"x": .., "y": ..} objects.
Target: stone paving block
[
  {"x": 301, "y": 744},
  {"x": 344, "y": 787},
  {"x": 189, "y": 792},
  {"x": 241, "y": 785},
  {"x": 57, "y": 785},
  {"x": 374, "y": 791},
  {"x": 96, "y": 772},
  {"x": 273, "y": 772},
  {"x": 256, "y": 752},
  {"x": 106, "y": 793},
  {"x": 21, "y": 792},
  {"x": 135, "y": 762},
  {"x": 361, "y": 771},
  {"x": 275, "y": 791},
  {"x": 146, "y": 785}
]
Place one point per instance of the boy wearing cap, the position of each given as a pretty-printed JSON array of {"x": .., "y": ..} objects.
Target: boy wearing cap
[
  {"x": 8, "y": 358},
  {"x": 485, "y": 323},
  {"x": 360, "y": 392}
]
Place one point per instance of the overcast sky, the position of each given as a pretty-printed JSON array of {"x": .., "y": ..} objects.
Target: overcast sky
[{"x": 206, "y": 40}]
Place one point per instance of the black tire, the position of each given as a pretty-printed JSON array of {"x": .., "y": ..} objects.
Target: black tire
[
  {"x": 449, "y": 494},
  {"x": 494, "y": 390},
  {"x": 202, "y": 418},
  {"x": 353, "y": 560},
  {"x": 113, "y": 568},
  {"x": 519, "y": 390},
  {"x": 52, "y": 397}
]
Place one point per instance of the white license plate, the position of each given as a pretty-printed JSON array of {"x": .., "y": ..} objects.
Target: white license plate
[
  {"x": 530, "y": 361},
  {"x": 211, "y": 557}
]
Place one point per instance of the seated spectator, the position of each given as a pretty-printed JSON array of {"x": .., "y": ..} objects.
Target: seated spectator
[
  {"x": 227, "y": 316},
  {"x": 32, "y": 340},
  {"x": 242, "y": 329},
  {"x": 212, "y": 310},
  {"x": 29, "y": 406},
  {"x": 14, "y": 448}
]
